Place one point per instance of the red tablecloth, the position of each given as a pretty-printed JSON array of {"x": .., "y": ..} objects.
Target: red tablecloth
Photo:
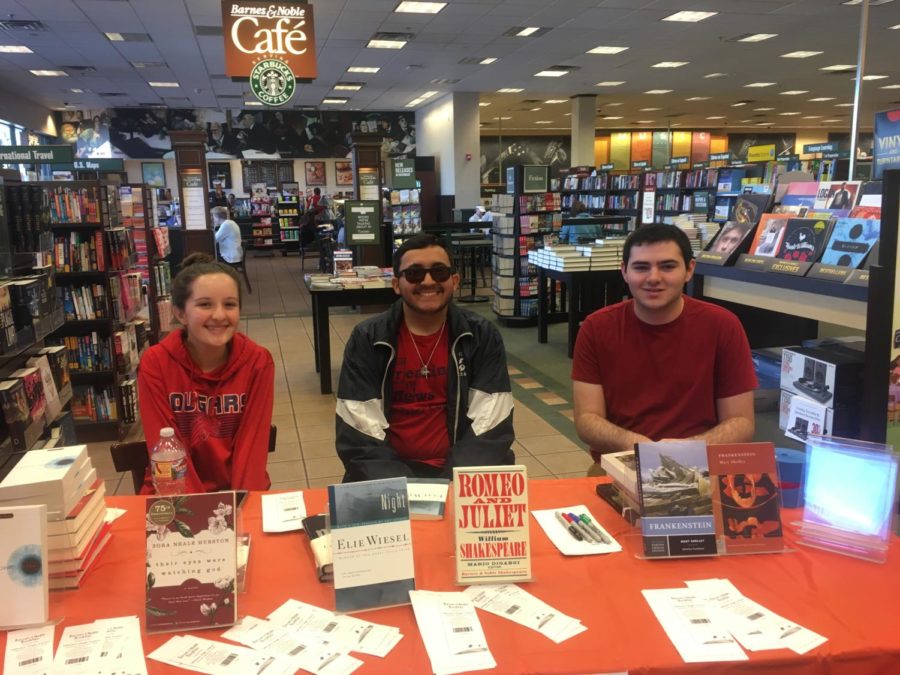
[{"x": 852, "y": 602}]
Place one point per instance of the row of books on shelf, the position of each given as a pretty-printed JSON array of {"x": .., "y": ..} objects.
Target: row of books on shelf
[
  {"x": 161, "y": 239},
  {"x": 29, "y": 303},
  {"x": 88, "y": 353},
  {"x": 122, "y": 254},
  {"x": 94, "y": 403},
  {"x": 162, "y": 277},
  {"x": 77, "y": 251},
  {"x": 125, "y": 294},
  {"x": 403, "y": 217},
  {"x": 604, "y": 254},
  {"x": 593, "y": 201},
  {"x": 402, "y": 197},
  {"x": 75, "y": 205},
  {"x": 164, "y": 312},
  {"x": 129, "y": 398},
  {"x": 84, "y": 303},
  {"x": 531, "y": 223},
  {"x": 506, "y": 306},
  {"x": 27, "y": 215},
  {"x": 544, "y": 201}
]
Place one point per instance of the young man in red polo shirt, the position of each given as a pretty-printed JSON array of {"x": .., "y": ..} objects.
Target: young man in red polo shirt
[
  {"x": 661, "y": 365},
  {"x": 424, "y": 385}
]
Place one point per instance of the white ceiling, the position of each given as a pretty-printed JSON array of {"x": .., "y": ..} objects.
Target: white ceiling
[{"x": 180, "y": 42}]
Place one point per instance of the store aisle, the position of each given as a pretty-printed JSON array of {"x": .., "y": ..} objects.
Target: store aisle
[{"x": 277, "y": 315}]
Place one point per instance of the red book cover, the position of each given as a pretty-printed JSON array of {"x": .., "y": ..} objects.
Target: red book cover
[{"x": 746, "y": 499}]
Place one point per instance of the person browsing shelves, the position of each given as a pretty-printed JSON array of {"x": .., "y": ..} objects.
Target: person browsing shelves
[
  {"x": 424, "y": 385},
  {"x": 211, "y": 384},
  {"x": 661, "y": 365}
]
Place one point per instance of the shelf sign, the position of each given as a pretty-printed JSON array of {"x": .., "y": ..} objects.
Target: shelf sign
[
  {"x": 535, "y": 179},
  {"x": 403, "y": 174},
  {"x": 642, "y": 164},
  {"x": 102, "y": 165},
  {"x": 700, "y": 165},
  {"x": 679, "y": 160},
  {"x": 813, "y": 148},
  {"x": 510, "y": 180},
  {"x": 263, "y": 31},
  {"x": 36, "y": 154},
  {"x": 761, "y": 153},
  {"x": 607, "y": 167},
  {"x": 836, "y": 155},
  {"x": 362, "y": 222},
  {"x": 720, "y": 156}
]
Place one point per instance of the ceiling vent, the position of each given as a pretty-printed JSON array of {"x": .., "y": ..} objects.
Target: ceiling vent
[
  {"x": 443, "y": 80},
  {"x": 20, "y": 26},
  {"x": 81, "y": 70},
  {"x": 208, "y": 30},
  {"x": 393, "y": 36},
  {"x": 110, "y": 94}
]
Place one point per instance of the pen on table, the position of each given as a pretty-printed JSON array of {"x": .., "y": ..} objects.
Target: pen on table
[
  {"x": 566, "y": 524},
  {"x": 365, "y": 631},
  {"x": 600, "y": 533},
  {"x": 589, "y": 536}
]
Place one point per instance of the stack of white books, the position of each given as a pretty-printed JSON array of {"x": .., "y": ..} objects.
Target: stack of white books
[
  {"x": 621, "y": 467},
  {"x": 603, "y": 254},
  {"x": 65, "y": 481}
]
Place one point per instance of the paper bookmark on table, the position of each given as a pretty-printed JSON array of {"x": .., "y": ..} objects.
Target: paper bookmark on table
[
  {"x": 516, "y": 604},
  {"x": 451, "y": 632},
  {"x": 218, "y": 658},
  {"x": 283, "y": 511},
  {"x": 754, "y": 626},
  {"x": 582, "y": 534},
  {"x": 106, "y": 645},
  {"x": 29, "y": 651}
]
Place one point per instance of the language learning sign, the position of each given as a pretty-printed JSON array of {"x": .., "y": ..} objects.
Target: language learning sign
[{"x": 491, "y": 524}]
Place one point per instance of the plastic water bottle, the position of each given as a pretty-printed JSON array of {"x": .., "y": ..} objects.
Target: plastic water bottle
[{"x": 168, "y": 464}]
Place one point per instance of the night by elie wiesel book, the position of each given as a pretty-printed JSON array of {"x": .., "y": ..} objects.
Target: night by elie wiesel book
[
  {"x": 371, "y": 544},
  {"x": 191, "y": 562},
  {"x": 850, "y": 241},
  {"x": 676, "y": 503},
  {"x": 746, "y": 497}
]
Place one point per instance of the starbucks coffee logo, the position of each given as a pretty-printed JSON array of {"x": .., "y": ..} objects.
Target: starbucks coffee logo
[{"x": 272, "y": 82}]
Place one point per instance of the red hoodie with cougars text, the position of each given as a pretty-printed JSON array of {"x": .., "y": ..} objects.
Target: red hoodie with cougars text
[{"x": 222, "y": 417}]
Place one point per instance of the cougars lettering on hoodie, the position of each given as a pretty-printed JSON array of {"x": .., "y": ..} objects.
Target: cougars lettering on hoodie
[{"x": 222, "y": 417}]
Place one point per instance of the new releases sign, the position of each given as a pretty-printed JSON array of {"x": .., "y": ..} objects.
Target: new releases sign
[{"x": 255, "y": 31}]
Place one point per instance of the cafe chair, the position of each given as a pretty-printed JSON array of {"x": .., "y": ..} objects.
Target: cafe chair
[
  {"x": 240, "y": 267},
  {"x": 135, "y": 457}
]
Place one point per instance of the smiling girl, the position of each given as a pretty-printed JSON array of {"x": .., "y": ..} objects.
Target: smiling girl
[{"x": 210, "y": 383}]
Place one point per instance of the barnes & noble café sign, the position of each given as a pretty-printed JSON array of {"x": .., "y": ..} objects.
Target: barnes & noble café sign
[{"x": 270, "y": 43}]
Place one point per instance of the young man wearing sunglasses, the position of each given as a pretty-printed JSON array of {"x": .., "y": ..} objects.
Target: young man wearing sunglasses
[{"x": 424, "y": 385}]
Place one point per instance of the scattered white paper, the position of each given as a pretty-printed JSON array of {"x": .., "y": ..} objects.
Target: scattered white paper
[
  {"x": 451, "y": 631},
  {"x": 79, "y": 649},
  {"x": 516, "y": 604},
  {"x": 121, "y": 649},
  {"x": 113, "y": 514},
  {"x": 29, "y": 651},
  {"x": 563, "y": 539},
  {"x": 690, "y": 625},
  {"x": 218, "y": 658},
  {"x": 283, "y": 511}
]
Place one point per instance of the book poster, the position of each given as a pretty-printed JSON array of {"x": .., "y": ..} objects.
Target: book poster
[
  {"x": 699, "y": 146},
  {"x": 491, "y": 524},
  {"x": 191, "y": 562},
  {"x": 642, "y": 146},
  {"x": 746, "y": 497}
]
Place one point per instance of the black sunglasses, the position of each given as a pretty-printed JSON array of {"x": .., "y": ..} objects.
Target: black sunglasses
[{"x": 416, "y": 275}]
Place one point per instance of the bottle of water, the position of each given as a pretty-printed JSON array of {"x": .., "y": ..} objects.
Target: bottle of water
[{"x": 168, "y": 464}]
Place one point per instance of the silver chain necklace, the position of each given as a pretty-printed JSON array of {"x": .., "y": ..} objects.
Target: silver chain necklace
[{"x": 423, "y": 371}]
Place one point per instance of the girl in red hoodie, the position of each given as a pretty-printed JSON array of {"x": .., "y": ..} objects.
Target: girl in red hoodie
[{"x": 210, "y": 383}]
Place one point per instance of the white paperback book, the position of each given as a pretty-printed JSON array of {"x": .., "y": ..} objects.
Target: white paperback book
[{"x": 23, "y": 566}]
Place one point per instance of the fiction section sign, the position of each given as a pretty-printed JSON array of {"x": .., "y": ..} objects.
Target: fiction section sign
[{"x": 254, "y": 31}]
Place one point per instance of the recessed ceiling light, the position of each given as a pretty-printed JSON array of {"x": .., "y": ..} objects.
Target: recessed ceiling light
[
  {"x": 839, "y": 67},
  {"x": 386, "y": 44},
  {"x": 551, "y": 101},
  {"x": 709, "y": 76},
  {"x": 765, "y": 124},
  {"x": 15, "y": 49},
  {"x": 543, "y": 122},
  {"x": 659, "y": 91},
  {"x": 645, "y": 121},
  {"x": 77, "y": 91},
  {"x": 536, "y": 109},
  {"x": 164, "y": 84},
  {"x": 510, "y": 90},
  {"x": 334, "y": 101},
  {"x": 610, "y": 83},
  {"x": 363, "y": 69},
  {"x": 670, "y": 64},
  {"x": 483, "y": 104},
  {"x": 897, "y": 27},
  {"x": 528, "y": 30},
  {"x": 50, "y": 73},
  {"x": 890, "y": 86},
  {"x": 874, "y": 77},
  {"x": 758, "y": 37},
  {"x": 603, "y": 49},
  {"x": 763, "y": 109},
  {"x": 690, "y": 17},
  {"x": 744, "y": 121},
  {"x": 613, "y": 105},
  {"x": 698, "y": 98},
  {"x": 129, "y": 37},
  {"x": 649, "y": 109},
  {"x": 812, "y": 117},
  {"x": 348, "y": 86},
  {"x": 843, "y": 105},
  {"x": 487, "y": 61},
  {"x": 716, "y": 117},
  {"x": 249, "y": 103},
  {"x": 551, "y": 73},
  {"x": 115, "y": 37},
  {"x": 794, "y": 92},
  {"x": 738, "y": 104},
  {"x": 789, "y": 113},
  {"x": 759, "y": 85},
  {"x": 872, "y": 3},
  {"x": 831, "y": 120},
  {"x": 420, "y": 7},
  {"x": 568, "y": 114},
  {"x": 800, "y": 55},
  {"x": 611, "y": 117},
  {"x": 821, "y": 98},
  {"x": 503, "y": 118}
]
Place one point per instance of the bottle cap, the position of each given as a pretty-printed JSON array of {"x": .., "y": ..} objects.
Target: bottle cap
[{"x": 166, "y": 432}]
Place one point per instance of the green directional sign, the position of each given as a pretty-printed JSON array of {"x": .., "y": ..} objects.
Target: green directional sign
[
  {"x": 679, "y": 160},
  {"x": 361, "y": 218},
  {"x": 36, "y": 154},
  {"x": 607, "y": 167},
  {"x": 720, "y": 156},
  {"x": 535, "y": 178},
  {"x": 641, "y": 164},
  {"x": 403, "y": 174},
  {"x": 102, "y": 165},
  {"x": 812, "y": 148}
]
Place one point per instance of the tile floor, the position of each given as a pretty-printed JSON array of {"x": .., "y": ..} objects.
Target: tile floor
[{"x": 277, "y": 315}]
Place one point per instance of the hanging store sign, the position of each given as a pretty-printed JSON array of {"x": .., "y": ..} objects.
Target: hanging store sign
[
  {"x": 761, "y": 153},
  {"x": 258, "y": 31},
  {"x": 36, "y": 154},
  {"x": 272, "y": 82},
  {"x": 887, "y": 142}
]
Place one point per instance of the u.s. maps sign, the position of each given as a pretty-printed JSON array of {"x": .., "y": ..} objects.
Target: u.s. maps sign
[{"x": 259, "y": 31}]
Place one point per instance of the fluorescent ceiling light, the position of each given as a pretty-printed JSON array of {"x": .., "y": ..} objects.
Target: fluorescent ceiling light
[
  {"x": 536, "y": 109},
  {"x": 823, "y": 98},
  {"x": 738, "y": 104},
  {"x": 689, "y": 17},
  {"x": 645, "y": 121},
  {"x": 611, "y": 117},
  {"x": 670, "y": 64},
  {"x": 765, "y": 124},
  {"x": 115, "y": 37},
  {"x": 363, "y": 69},
  {"x": 839, "y": 67},
  {"x": 568, "y": 114},
  {"x": 164, "y": 84},
  {"x": 334, "y": 101},
  {"x": 843, "y": 105},
  {"x": 487, "y": 61},
  {"x": 897, "y": 27},
  {"x": 529, "y": 30},
  {"x": 759, "y": 85},
  {"x": 503, "y": 118},
  {"x": 610, "y": 83},
  {"x": 709, "y": 76},
  {"x": 890, "y": 86},
  {"x": 386, "y": 44},
  {"x": 794, "y": 92},
  {"x": 420, "y": 7},
  {"x": 348, "y": 86},
  {"x": 698, "y": 98},
  {"x": 716, "y": 117},
  {"x": 613, "y": 105},
  {"x": 758, "y": 37},
  {"x": 743, "y": 121},
  {"x": 543, "y": 122},
  {"x": 77, "y": 91},
  {"x": 246, "y": 103},
  {"x": 649, "y": 109},
  {"x": 50, "y": 73},
  {"x": 483, "y": 104},
  {"x": 763, "y": 109},
  {"x": 831, "y": 120},
  {"x": 509, "y": 90},
  {"x": 789, "y": 113},
  {"x": 659, "y": 91},
  {"x": 601, "y": 49},
  {"x": 812, "y": 117},
  {"x": 874, "y": 77},
  {"x": 551, "y": 101},
  {"x": 872, "y": 3},
  {"x": 800, "y": 55},
  {"x": 551, "y": 73},
  {"x": 15, "y": 49}
]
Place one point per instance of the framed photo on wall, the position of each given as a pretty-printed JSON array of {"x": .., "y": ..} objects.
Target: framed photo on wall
[
  {"x": 219, "y": 173},
  {"x": 153, "y": 174},
  {"x": 315, "y": 173},
  {"x": 343, "y": 172}
]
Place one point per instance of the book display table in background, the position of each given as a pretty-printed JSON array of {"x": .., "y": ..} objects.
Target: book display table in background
[
  {"x": 322, "y": 300},
  {"x": 851, "y": 602}
]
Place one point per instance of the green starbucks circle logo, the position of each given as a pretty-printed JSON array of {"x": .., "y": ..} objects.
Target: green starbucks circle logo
[{"x": 272, "y": 82}]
